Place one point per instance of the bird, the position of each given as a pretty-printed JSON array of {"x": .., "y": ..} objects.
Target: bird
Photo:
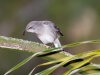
[{"x": 46, "y": 31}]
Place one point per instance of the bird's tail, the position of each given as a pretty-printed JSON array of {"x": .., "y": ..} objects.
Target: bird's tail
[{"x": 57, "y": 44}]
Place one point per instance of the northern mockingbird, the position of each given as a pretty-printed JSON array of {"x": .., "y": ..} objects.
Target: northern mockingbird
[{"x": 46, "y": 31}]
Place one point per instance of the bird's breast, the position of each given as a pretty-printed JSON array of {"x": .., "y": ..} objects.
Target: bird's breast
[
  {"x": 47, "y": 35},
  {"x": 47, "y": 38}
]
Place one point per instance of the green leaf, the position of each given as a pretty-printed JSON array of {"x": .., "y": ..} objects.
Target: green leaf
[
  {"x": 51, "y": 69},
  {"x": 22, "y": 63},
  {"x": 86, "y": 54},
  {"x": 80, "y": 43},
  {"x": 52, "y": 62},
  {"x": 22, "y": 45},
  {"x": 73, "y": 70},
  {"x": 29, "y": 58},
  {"x": 70, "y": 58},
  {"x": 94, "y": 73}
]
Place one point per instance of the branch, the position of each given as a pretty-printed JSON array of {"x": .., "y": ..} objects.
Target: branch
[{"x": 33, "y": 47}]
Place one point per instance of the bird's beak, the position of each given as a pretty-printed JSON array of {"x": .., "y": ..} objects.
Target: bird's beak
[{"x": 23, "y": 32}]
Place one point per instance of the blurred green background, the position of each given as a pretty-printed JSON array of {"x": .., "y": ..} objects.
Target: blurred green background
[{"x": 79, "y": 20}]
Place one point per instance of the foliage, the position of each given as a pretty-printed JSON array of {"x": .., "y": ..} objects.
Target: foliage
[{"x": 78, "y": 66}]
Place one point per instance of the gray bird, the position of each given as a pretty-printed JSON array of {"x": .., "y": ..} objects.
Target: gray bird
[{"x": 46, "y": 31}]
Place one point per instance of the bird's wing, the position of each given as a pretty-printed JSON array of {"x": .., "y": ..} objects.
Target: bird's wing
[
  {"x": 58, "y": 30},
  {"x": 52, "y": 25}
]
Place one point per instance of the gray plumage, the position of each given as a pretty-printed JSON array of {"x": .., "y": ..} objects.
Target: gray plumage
[{"x": 46, "y": 31}]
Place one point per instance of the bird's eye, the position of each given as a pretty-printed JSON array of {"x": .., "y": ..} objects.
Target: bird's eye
[
  {"x": 30, "y": 27},
  {"x": 45, "y": 23}
]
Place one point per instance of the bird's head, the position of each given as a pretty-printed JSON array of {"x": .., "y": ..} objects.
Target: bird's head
[{"x": 32, "y": 27}]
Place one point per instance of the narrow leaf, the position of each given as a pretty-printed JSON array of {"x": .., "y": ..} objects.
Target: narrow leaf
[
  {"x": 52, "y": 62},
  {"x": 51, "y": 69},
  {"x": 71, "y": 71},
  {"x": 28, "y": 59},
  {"x": 22, "y": 63}
]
